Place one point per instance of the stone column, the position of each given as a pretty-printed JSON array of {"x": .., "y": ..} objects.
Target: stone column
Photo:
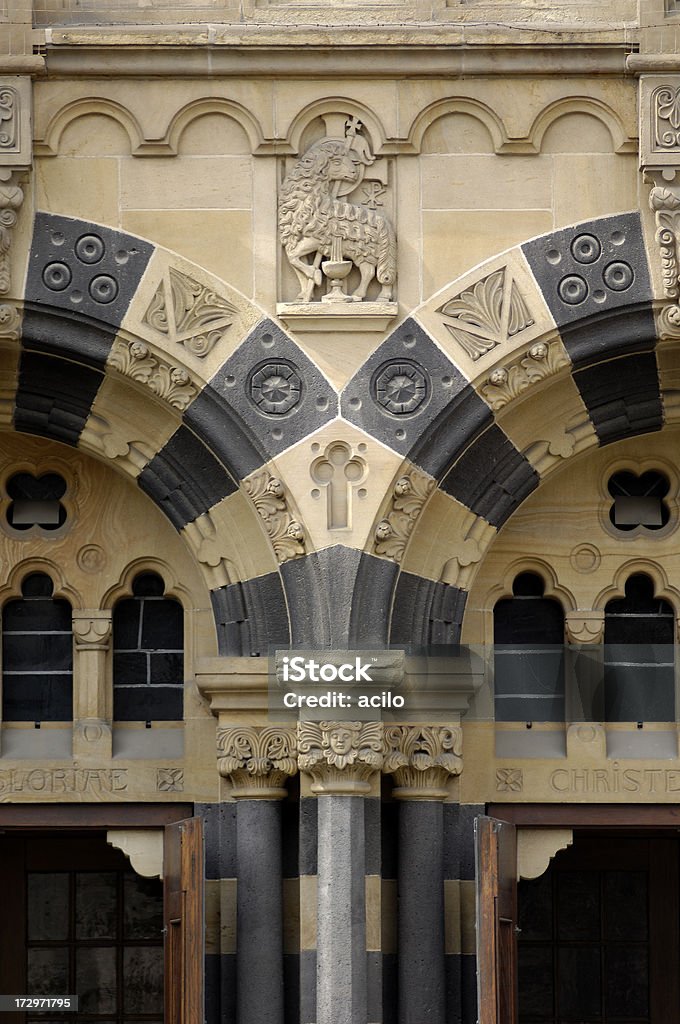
[
  {"x": 341, "y": 758},
  {"x": 422, "y": 758},
  {"x": 92, "y": 698},
  {"x": 584, "y": 666},
  {"x": 258, "y": 761}
]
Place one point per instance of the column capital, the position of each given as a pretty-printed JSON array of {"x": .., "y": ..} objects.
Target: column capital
[
  {"x": 257, "y": 760},
  {"x": 422, "y": 759},
  {"x": 92, "y": 628},
  {"x": 584, "y": 626},
  {"x": 341, "y": 757}
]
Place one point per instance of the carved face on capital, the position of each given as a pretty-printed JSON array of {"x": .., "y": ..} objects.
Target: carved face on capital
[{"x": 341, "y": 740}]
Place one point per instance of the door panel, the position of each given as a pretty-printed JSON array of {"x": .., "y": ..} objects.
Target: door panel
[
  {"x": 496, "y": 870},
  {"x": 184, "y": 929}
]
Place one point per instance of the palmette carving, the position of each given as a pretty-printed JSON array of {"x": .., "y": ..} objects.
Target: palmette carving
[
  {"x": 666, "y": 206},
  {"x": 189, "y": 313},
  {"x": 269, "y": 497},
  {"x": 410, "y": 493},
  {"x": 422, "y": 759},
  {"x": 340, "y": 756},
  {"x": 486, "y": 315},
  {"x": 171, "y": 383},
  {"x": 257, "y": 760},
  {"x": 507, "y": 382}
]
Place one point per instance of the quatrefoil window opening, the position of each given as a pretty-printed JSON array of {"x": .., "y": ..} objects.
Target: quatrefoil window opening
[
  {"x": 638, "y": 500},
  {"x": 35, "y": 501}
]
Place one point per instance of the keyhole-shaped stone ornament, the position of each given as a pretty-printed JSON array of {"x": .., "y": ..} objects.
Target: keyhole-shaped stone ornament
[{"x": 338, "y": 470}]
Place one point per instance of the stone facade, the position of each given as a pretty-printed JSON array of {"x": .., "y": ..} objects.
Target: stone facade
[{"x": 338, "y": 319}]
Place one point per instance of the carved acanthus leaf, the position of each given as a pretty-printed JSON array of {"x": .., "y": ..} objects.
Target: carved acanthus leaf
[
  {"x": 257, "y": 760},
  {"x": 269, "y": 497},
  {"x": 422, "y": 758},
  {"x": 507, "y": 382},
  {"x": 408, "y": 497},
  {"x": 171, "y": 383},
  {"x": 11, "y": 198},
  {"x": 340, "y": 756},
  {"x": 189, "y": 313},
  {"x": 486, "y": 315},
  {"x": 665, "y": 204}
]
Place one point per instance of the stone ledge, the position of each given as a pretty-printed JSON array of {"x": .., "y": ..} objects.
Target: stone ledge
[{"x": 334, "y": 318}]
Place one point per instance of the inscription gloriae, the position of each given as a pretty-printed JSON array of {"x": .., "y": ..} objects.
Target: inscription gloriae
[{"x": 63, "y": 780}]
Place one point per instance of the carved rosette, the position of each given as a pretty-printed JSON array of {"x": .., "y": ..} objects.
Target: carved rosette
[
  {"x": 269, "y": 497},
  {"x": 171, "y": 383},
  {"x": 410, "y": 493},
  {"x": 11, "y": 198},
  {"x": 341, "y": 757},
  {"x": 665, "y": 204},
  {"x": 257, "y": 760},
  {"x": 422, "y": 759}
]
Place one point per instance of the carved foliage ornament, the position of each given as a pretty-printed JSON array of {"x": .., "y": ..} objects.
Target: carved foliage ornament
[
  {"x": 189, "y": 313},
  {"x": 666, "y": 206},
  {"x": 11, "y": 198},
  {"x": 325, "y": 235},
  {"x": 269, "y": 497},
  {"x": 171, "y": 383},
  {"x": 422, "y": 758},
  {"x": 340, "y": 756},
  {"x": 507, "y": 382},
  {"x": 257, "y": 758},
  {"x": 666, "y": 117},
  {"x": 486, "y": 315},
  {"x": 408, "y": 497},
  {"x": 9, "y": 119}
]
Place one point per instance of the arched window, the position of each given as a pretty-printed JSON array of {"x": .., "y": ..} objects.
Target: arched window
[
  {"x": 639, "y": 631},
  {"x": 148, "y": 654},
  {"x": 528, "y": 654},
  {"x": 37, "y": 655}
]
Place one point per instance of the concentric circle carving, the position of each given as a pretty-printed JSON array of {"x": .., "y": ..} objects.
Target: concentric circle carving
[
  {"x": 585, "y": 558},
  {"x": 275, "y": 388},
  {"x": 400, "y": 387},
  {"x": 586, "y": 249},
  {"x": 103, "y": 288},
  {"x": 618, "y": 276},
  {"x": 89, "y": 249},
  {"x": 56, "y": 276},
  {"x": 91, "y": 558},
  {"x": 573, "y": 290}
]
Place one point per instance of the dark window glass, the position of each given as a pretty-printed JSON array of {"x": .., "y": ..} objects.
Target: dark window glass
[
  {"x": 528, "y": 654},
  {"x": 639, "y": 655},
  {"x": 35, "y": 501},
  {"x": 37, "y": 655},
  {"x": 638, "y": 500},
  {"x": 148, "y": 654}
]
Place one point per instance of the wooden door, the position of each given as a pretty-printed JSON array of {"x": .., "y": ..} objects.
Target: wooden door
[
  {"x": 183, "y": 871},
  {"x": 496, "y": 869}
]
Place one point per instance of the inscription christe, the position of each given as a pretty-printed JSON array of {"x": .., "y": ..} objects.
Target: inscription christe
[
  {"x": 257, "y": 760},
  {"x": 325, "y": 235},
  {"x": 341, "y": 757},
  {"x": 422, "y": 759}
]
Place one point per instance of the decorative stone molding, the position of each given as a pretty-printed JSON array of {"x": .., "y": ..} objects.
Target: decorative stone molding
[
  {"x": 171, "y": 383},
  {"x": 410, "y": 493},
  {"x": 11, "y": 198},
  {"x": 341, "y": 757},
  {"x": 257, "y": 760},
  {"x": 509, "y": 780},
  {"x": 536, "y": 847},
  {"x": 325, "y": 235},
  {"x": 584, "y": 627},
  {"x": 10, "y": 322},
  {"x": 665, "y": 203},
  {"x": 16, "y": 140},
  {"x": 144, "y": 847},
  {"x": 505, "y": 383},
  {"x": 189, "y": 313},
  {"x": 92, "y": 630},
  {"x": 486, "y": 315},
  {"x": 339, "y": 471},
  {"x": 422, "y": 758},
  {"x": 271, "y": 501}
]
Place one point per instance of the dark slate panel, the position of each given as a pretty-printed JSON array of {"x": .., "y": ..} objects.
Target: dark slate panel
[
  {"x": 228, "y": 988},
  {"x": 374, "y": 986},
  {"x": 389, "y": 988},
  {"x": 308, "y": 986},
  {"x": 492, "y": 478},
  {"x": 58, "y": 334},
  {"x": 454, "y": 1001},
  {"x": 274, "y": 388},
  {"x": 185, "y": 479},
  {"x": 627, "y": 330},
  {"x": 459, "y": 839},
  {"x": 622, "y": 396},
  {"x": 468, "y": 989},
  {"x": 372, "y": 837},
  {"x": 371, "y": 601},
  {"x": 54, "y": 397},
  {"x": 389, "y": 833},
  {"x": 592, "y": 268},
  {"x": 426, "y": 612},
  {"x": 404, "y": 387},
  {"x": 291, "y": 988},
  {"x": 251, "y": 617},
  {"x": 212, "y": 988},
  {"x": 290, "y": 829},
  {"x": 308, "y": 839},
  {"x": 87, "y": 269},
  {"x": 220, "y": 839}
]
